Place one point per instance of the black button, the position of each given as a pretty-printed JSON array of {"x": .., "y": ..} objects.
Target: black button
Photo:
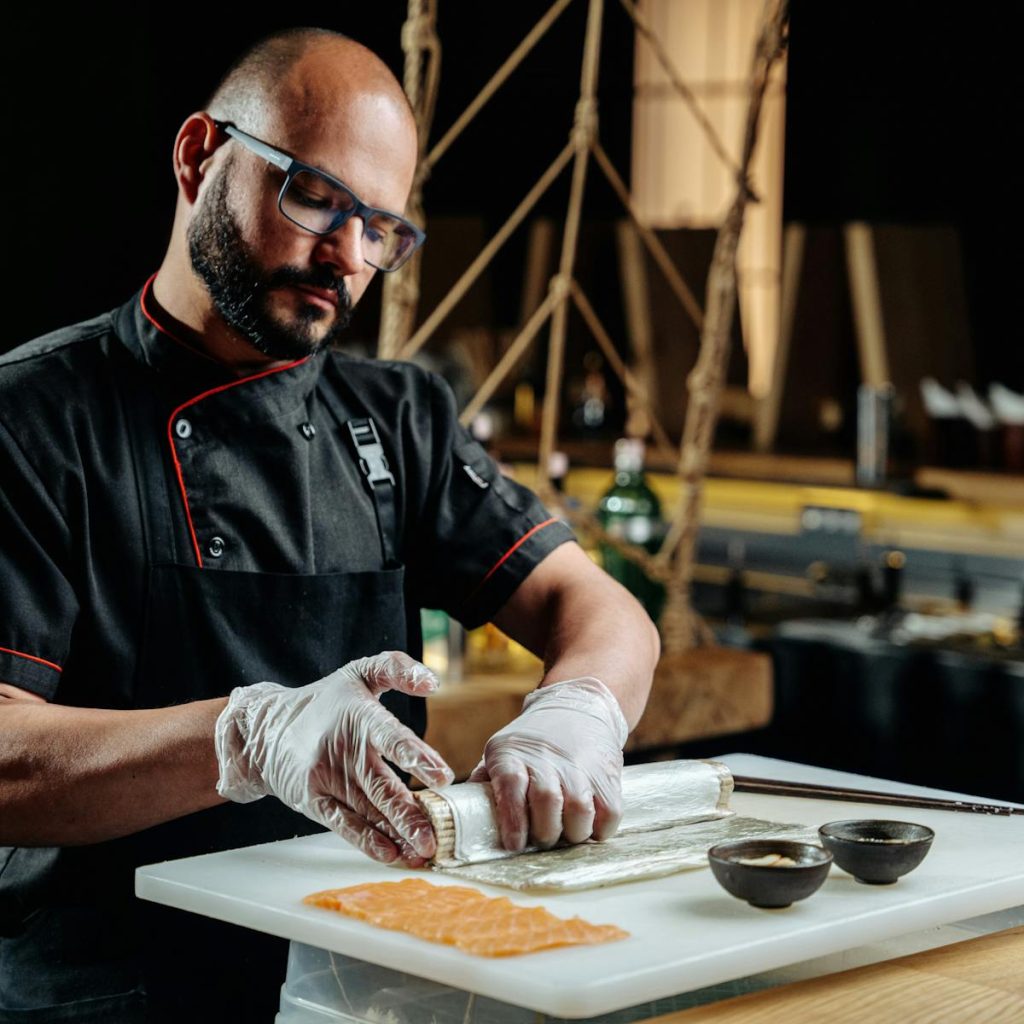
[
  {"x": 216, "y": 548},
  {"x": 308, "y": 431},
  {"x": 183, "y": 428}
]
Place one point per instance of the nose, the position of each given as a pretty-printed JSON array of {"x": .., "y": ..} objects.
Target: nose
[{"x": 343, "y": 248}]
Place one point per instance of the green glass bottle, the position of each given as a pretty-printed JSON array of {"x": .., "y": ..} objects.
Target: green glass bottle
[{"x": 630, "y": 510}]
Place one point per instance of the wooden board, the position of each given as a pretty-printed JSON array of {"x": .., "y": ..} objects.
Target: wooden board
[
  {"x": 709, "y": 692},
  {"x": 981, "y": 981}
]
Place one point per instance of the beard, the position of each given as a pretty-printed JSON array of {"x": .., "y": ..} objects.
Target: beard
[{"x": 240, "y": 287}]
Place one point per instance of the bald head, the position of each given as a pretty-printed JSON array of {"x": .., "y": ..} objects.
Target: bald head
[
  {"x": 239, "y": 269},
  {"x": 301, "y": 76}
]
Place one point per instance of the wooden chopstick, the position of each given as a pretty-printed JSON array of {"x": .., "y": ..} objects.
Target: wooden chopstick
[{"x": 811, "y": 790}]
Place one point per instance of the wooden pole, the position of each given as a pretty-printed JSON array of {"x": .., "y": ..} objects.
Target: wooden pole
[
  {"x": 865, "y": 291},
  {"x": 583, "y": 134},
  {"x": 639, "y": 326},
  {"x": 766, "y": 419}
]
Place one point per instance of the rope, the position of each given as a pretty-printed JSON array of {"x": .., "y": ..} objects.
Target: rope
[
  {"x": 680, "y": 627},
  {"x": 419, "y": 36},
  {"x": 422, "y": 49}
]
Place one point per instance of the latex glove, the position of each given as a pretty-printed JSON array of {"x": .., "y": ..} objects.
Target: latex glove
[
  {"x": 320, "y": 749},
  {"x": 556, "y": 770}
]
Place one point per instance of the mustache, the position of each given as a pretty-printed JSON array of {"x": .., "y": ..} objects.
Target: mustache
[{"x": 318, "y": 278}]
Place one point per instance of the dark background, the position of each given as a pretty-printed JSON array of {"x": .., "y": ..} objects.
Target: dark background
[{"x": 897, "y": 112}]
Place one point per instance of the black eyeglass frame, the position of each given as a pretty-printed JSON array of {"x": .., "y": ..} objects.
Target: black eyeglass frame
[{"x": 293, "y": 167}]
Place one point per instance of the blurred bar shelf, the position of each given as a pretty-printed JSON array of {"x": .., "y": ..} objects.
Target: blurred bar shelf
[{"x": 815, "y": 471}]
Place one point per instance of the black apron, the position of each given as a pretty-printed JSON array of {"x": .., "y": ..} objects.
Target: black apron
[{"x": 88, "y": 950}]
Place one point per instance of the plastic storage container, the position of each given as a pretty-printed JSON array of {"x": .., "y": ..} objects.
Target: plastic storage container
[
  {"x": 325, "y": 988},
  {"x": 328, "y": 988}
]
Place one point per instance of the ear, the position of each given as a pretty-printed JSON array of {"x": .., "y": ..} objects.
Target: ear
[{"x": 198, "y": 139}]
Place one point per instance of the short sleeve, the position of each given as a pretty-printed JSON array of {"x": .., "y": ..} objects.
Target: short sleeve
[
  {"x": 38, "y": 606},
  {"x": 480, "y": 534}
]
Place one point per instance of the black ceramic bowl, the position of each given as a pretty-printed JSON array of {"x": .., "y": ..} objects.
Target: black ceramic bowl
[
  {"x": 876, "y": 852},
  {"x": 769, "y": 886}
]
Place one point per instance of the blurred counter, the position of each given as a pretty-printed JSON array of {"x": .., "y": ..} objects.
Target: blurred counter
[
  {"x": 859, "y": 699},
  {"x": 815, "y": 545},
  {"x": 986, "y": 517}
]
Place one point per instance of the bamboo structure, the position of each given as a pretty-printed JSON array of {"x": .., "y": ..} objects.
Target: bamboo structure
[{"x": 674, "y": 563}]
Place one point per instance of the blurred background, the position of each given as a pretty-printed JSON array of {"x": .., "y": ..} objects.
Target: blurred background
[{"x": 861, "y": 550}]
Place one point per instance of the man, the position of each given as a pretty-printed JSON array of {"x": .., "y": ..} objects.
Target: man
[{"x": 202, "y": 509}]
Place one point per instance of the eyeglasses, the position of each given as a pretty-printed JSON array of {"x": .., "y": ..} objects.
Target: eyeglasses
[{"x": 320, "y": 203}]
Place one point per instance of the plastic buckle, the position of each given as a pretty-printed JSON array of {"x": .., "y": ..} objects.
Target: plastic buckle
[
  {"x": 374, "y": 464},
  {"x": 372, "y": 460}
]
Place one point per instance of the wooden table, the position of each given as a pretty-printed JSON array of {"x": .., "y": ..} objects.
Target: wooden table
[
  {"x": 980, "y": 981},
  {"x": 704, "y": 693}
]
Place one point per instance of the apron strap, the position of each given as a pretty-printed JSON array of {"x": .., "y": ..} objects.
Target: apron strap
[
  {"x": 374, "y": 465},
  {"x": 376, "y": 472}
]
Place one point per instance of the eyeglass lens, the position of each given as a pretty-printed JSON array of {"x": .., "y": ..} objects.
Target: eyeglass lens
[{"x": 319, "y": 205}]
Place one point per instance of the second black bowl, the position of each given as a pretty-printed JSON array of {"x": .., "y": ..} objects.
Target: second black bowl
[{"x": 876, "y": 851}]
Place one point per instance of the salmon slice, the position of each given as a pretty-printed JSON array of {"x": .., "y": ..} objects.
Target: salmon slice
[{"x": 455, "y": 915}]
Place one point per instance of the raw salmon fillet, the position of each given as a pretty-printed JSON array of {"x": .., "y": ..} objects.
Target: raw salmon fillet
[{"x": 456, "y": 915}]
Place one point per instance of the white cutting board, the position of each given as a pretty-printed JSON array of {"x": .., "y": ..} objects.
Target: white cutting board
[{"x": 685, "y": 931}]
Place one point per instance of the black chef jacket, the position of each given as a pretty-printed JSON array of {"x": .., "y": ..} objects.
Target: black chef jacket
[{"x": 256, "y": 476}]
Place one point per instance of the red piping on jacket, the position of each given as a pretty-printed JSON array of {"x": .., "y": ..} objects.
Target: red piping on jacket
[
  {"x": 193, "y": 401},
  {"x": 32, "y": 657},
  {"x": 505, "y": 557},
  {"x": 146, "y": 289}
]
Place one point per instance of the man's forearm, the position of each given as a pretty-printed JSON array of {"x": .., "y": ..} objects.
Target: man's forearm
[
  {"x": 584, "y": 623},
  {"x": 608, "y": 636},
  {"x": 81, "y": 775}
]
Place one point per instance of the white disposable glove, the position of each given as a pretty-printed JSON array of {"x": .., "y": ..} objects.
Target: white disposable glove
[
  {"x": 320, "y": 749},
  {"x": 556, "y": 770}
]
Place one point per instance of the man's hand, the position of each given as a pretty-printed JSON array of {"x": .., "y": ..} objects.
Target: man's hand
[
  {"x": 556, "y": 771},
  {"x": 321, "y": 749}
]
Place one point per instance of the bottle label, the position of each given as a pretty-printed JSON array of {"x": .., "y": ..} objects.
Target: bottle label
[{"x": 638, "y": 530}]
